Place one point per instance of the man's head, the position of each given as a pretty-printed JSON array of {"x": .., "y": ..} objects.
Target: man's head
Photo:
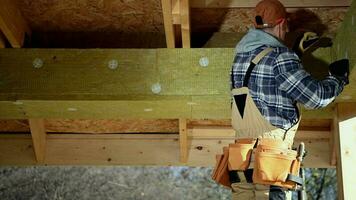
[{"x": 271, "y": 16}]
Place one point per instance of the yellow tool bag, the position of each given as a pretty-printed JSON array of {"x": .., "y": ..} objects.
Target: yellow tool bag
[
  {"x": 240, "y": 154},
  {"x": 275, "y": 164}
]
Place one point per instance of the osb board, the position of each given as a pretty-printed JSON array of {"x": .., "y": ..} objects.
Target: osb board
[
  {"x": 140, "y": 16},
  {"x": 93, "y": 15},
  {"x": 252, "y": 3},
  {"x": 15, "y": 125},
  {"x": 96, "y": 126},
  {"x": 97, "y": 40},
  {"x": 241, "y": 19},
  {"x": 112, "y": 126},
  {"x": 64, "y": 149},
  {"x": 134, "y": 125}
]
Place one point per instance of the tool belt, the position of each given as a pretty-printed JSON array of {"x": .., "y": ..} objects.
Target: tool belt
[{"x": 272, "y": 163}]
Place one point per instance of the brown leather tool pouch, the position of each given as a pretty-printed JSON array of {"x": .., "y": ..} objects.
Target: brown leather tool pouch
[
  {"x": 240, "y": 154},
  {"x": 276, "y": 165},
  {"x": 221, "y": 172}
]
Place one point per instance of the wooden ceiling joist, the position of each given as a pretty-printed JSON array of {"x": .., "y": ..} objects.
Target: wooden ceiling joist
[
  {"x": 252, "y": 4},
  {"x": 12, "y": 24},
  {"x": 176, "y": 12},
  {"x": 168, "y": 23},
  {"x": 191, "y": 148}
]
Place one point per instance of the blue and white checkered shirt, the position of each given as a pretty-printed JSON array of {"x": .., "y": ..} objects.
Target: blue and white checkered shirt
[{"x": 278, "y": 81}]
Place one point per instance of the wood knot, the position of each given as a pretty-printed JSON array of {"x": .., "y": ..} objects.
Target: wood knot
[{"x": 199, "y": 148}]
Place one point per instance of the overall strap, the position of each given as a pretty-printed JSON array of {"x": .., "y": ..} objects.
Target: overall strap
[{"x": 253, "y": 63}]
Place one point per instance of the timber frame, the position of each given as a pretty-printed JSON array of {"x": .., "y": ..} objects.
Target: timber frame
[{"x": 155, "y": 86}]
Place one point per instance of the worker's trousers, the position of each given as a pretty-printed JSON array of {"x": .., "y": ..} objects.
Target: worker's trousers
[{"x": 249, "y": 191}]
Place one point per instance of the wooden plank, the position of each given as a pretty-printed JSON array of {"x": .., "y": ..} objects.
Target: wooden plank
[
  {"x": 168, "y": 22},
  {"x": 336, "y": 150},
  {"x": 185, "y": 22},
  {"x": 12, "y": 24},
  {"x": 38, "y": 134},
  {"x": 176, "y": 12},
  {"x": 114, "y": 150},
  {"x": 345, "y": 140},
  {"x": 252, "y": 4},
  {"x": 129, "y": 149},
  {"x": 16, "y": 150},
  {"x": 183, "y": 140}
]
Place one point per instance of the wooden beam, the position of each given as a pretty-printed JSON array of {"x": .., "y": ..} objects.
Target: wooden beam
[
  {"x": 12, "y": 24},
  {"x": 252, "y": 3},
  {"x": 38, "y": 134},
  {"x": 183, "y": 140},
  {"x": 176, "y": 12},
  {"x": 130, "y": 149},
  {"x": 345, "y": 140},
  {"x": 185, "y": 22},
  {"x": 168, "y": 22}
]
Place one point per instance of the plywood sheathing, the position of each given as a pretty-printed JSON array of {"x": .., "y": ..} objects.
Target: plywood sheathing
[
  {"x": 141, "y": 16},
  {"x": 93, "y": 15},
  {"x": 96, "y": 126},
  {"x": 14, "y": 126},
  {"x": 113, "y": 126},
  {"x": 241, "y": 19}
]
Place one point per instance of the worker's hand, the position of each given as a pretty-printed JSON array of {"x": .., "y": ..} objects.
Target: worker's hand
[
  {"x": 340, "y": 69},
  {"x": 309, "y": 42}
]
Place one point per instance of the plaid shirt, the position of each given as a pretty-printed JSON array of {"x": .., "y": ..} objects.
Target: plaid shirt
[{"x": 279, "y": 81}]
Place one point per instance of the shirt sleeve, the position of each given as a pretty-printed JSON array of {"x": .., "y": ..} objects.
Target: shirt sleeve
[{"x": 300, "y": 86}]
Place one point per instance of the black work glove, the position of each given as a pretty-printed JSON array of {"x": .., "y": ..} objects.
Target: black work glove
[{"x": 340, "y": 69}]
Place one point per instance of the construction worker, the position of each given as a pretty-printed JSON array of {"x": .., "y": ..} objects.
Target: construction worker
[{"x": 271, "y": 74}]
